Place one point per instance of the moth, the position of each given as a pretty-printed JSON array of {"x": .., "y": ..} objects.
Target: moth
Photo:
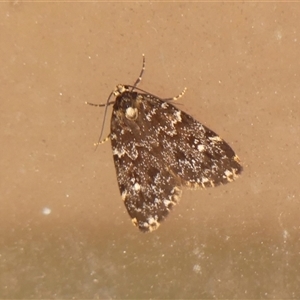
[{"x": 158, "y": 150}]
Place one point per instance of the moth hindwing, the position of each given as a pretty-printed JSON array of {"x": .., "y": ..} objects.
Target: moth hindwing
[{"x": 159, "y": 149}]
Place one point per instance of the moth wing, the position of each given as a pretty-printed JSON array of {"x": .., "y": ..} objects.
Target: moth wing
[
  {"x": 157, "y": 149},
  {"x": 196, "y": 154},
  {"x": 148, "y": 189}
]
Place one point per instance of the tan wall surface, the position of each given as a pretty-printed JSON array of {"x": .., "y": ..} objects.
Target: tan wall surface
[{"x": 64, "y": 231}]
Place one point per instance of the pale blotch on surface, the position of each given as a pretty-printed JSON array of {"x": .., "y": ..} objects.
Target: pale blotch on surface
[
  {"x": 197, "y": 269},
  {"x": 46, "y": 211},
  {"x": 278, "y": 35},
  {"x": 285, "y": 235}
]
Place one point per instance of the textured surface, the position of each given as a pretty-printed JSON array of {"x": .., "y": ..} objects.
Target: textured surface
[{"x": 64, "y": 231}]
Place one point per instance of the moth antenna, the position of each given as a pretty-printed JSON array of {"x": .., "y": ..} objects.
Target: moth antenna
[
  {"x": 102, "y": 142},
  {"x": 177, "y": 97},
  {"x": 99, "y": 105},
  {"x": 104, "y": 117},
  {"x": 137, "y": 82}
]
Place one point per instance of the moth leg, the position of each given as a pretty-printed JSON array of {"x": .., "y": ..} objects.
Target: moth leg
[
  {"x": 176, "y": 97},
  {"x": 103, "y": 141},
  {"x": 99, "y": 105},
  {"x": 137, "y": 82}
]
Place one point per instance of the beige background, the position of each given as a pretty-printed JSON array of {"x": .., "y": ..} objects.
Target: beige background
[{"x": 240, "y": 63}]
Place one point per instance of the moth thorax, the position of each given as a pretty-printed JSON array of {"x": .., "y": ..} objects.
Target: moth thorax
[{"x": 131, "y": 113}]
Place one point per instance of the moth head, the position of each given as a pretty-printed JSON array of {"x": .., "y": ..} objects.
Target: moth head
[
  {"x": 127, "y": 105},
  {"x": 120, "y": 89}
]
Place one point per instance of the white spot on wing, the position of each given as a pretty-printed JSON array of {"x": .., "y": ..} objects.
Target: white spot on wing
[
  {"x": 178, "y": 115},
  {"x": 119, "y": 153},
  {"x": 164, "y": 105},
  {"x": 201, "y": 148},
  {"x": 124, "y": 194},
  {"x": 215, "y": 138},
  {"x": 167, "y": 203},
  {"x": 228, "y": 173},
  {"x": 137, "y": 187}
]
